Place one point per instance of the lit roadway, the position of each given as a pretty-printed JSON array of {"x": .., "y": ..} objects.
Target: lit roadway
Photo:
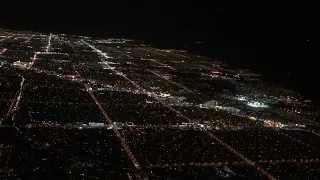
[
  {"x": 172, "y": 82},
  {"x": 6, "y": 38},
  {"x": 29, "y": 39},
  {"x": 3, "y": 51},
  {"x": 115, "y": 129},
  {"x": 49, "y": 43}
]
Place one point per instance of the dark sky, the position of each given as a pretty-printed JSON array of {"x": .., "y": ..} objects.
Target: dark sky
[{"x": 279, "y": 39}]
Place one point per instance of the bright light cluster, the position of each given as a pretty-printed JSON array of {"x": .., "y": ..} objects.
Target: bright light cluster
[
  {"x": 257, "y": 104},
  {"x": 242, "y": 98}
]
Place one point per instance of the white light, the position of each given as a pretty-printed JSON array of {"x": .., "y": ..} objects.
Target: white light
[
  {"x": 257, "y": 104},
  {"x": 242, "y": 99},
  {"x": 164, "y": 95}
]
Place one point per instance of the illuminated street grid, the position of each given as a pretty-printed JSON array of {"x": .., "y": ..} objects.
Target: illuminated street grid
[{"x": 83, "y": 108}]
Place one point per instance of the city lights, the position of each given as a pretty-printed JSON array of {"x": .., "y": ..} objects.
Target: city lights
[{"x": 91, "y": 108}]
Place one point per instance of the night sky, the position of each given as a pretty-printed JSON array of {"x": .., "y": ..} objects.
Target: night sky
[{"x": 278, "y": 39}]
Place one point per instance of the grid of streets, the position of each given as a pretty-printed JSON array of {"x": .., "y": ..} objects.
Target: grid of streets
[{"x": 85, "y": 108}]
